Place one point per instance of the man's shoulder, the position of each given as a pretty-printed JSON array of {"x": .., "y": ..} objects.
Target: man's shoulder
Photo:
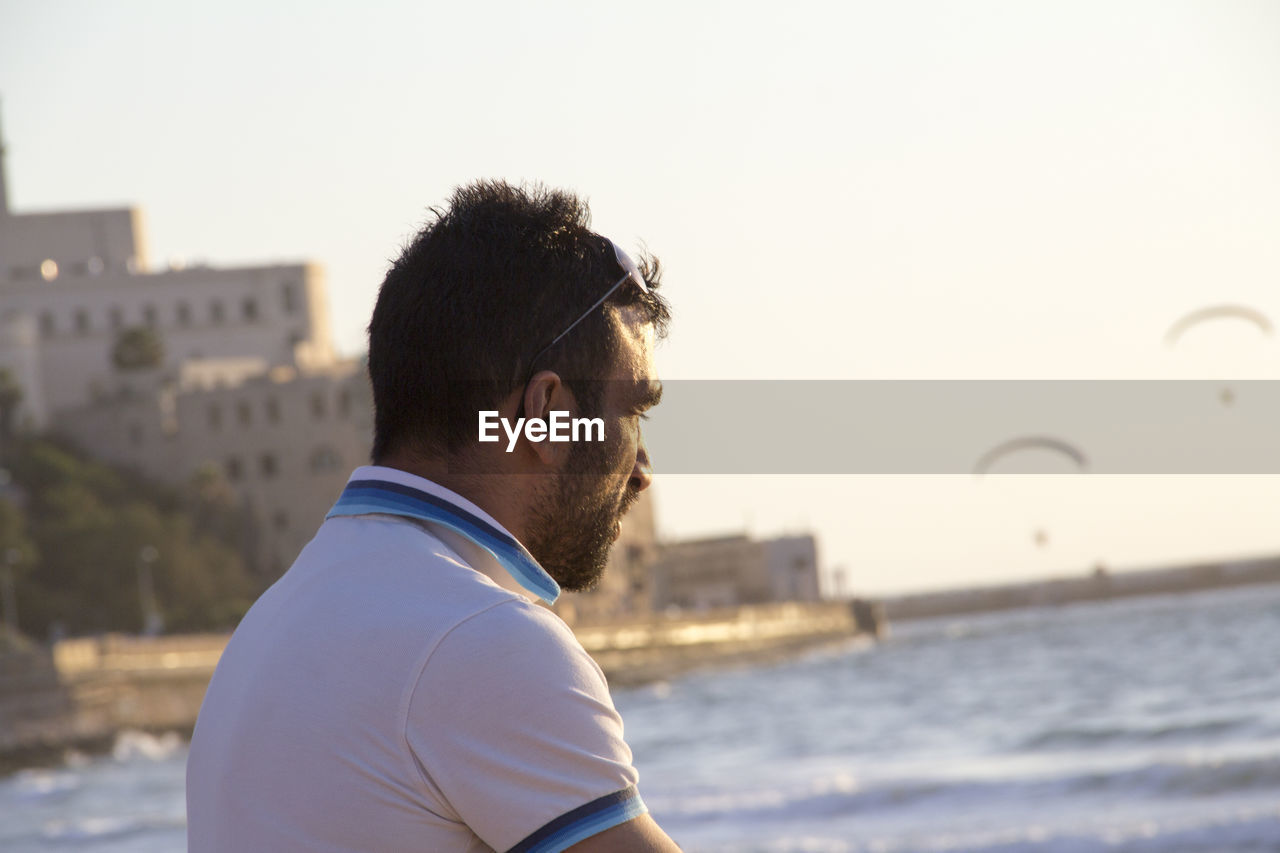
[
  {"x": 415, "y": 584},
  {"x": 402, "y": 552},
  {"x": 512, "y": 652},
  {"x": 516, "y": 636},
  {"x": 373, "y": 586}
]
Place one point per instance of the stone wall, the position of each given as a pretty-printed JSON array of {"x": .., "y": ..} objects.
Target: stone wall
[{"x": 85, "y": 691}]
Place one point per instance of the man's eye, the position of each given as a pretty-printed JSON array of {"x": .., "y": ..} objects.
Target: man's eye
[{"x": 644, "y": 416}]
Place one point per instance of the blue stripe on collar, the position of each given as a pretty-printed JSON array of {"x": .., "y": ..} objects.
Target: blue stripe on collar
[{"x": 361, "y": 497}]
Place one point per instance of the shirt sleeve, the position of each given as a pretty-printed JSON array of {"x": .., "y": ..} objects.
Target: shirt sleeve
[{"x": 514, "y": 731}]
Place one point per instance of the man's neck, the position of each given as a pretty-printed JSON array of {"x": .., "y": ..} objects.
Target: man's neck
[{"x": 493, "y": 493}]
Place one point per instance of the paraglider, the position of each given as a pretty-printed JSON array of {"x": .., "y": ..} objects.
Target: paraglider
[
  {"x": 1218, "y": 312},
  {"x": 1029, "y": 442}
]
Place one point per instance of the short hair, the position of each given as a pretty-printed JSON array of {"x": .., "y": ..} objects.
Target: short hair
[{"x": 488, "y": 282}]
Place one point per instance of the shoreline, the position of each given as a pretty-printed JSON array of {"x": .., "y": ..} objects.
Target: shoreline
[{"x": 81, "y": 694}]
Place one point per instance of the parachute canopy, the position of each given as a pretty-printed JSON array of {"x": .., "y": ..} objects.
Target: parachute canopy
[
  {"x": 1217, "y": 312},
  {"x": 1030, "y": 442}
]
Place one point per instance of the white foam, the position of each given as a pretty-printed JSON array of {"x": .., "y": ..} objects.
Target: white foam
[{"x": 133, "y": 745}]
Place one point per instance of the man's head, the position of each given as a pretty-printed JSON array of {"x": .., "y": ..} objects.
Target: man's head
[
  {"x": 577, "y": 513},
  {"x": 462, "y": 325}
]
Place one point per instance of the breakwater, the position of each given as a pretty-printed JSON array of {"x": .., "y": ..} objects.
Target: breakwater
[
  {"x": 1097, "y": 585},
  {"x": 666, "y": 645},
  {"x": 80, "y": 693}
]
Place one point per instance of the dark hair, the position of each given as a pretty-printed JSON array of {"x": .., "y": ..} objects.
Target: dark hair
[{"x": 486, "y": 284}]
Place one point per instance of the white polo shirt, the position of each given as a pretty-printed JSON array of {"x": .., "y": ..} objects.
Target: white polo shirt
[{"x": 398, "y": 690}]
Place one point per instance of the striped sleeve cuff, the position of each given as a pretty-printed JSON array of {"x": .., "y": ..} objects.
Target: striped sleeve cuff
[{"x": 585, "y": 821}]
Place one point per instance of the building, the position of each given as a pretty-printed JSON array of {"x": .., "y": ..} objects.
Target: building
[
  {"x": 792, "y": 566},
  {"x": 285, "y": 442},
  {"x": 82, "y": 278},
  {"x": 730, "y": 571},
  {"x": 245, "y": 377},
  {"x": 247, "y": 383}
]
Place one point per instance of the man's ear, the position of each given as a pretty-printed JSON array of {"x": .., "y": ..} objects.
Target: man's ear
[{"x": 546, "y": 393}]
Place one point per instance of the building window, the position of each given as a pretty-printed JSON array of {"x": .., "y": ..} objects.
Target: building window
[
  {"x": 47, "y": 326},
  {"x": 149, "y": 315},
  {"x": 317, "y": 405},
  {"x": 82, "y": 320},
  {"x": 249, "y": 308},
  {"x": 234, "y": 470},
  {"x": 215, "y": 416},
  {"x": 280, "y": 519},
  {"x": 267, "y": 465},
  {"x": 344, "y": 402},
  {"x": 325, "y": 459},
  {"x": 289, "y": 297},
  {"x": 184, "y": 314},
  {"x": 117, "y": 317},
  {"x": 273, "y": 410},
  {"x": 215, "y": 312},
  {"x": 244, "y": 414}
]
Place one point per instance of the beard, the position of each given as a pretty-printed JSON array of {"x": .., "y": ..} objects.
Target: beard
[{"x": 575, "y": 521}]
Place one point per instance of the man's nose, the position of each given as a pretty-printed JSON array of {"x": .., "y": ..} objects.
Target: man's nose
[{"x": 642, "y": 473}]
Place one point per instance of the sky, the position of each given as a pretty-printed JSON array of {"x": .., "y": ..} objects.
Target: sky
[{"x": 915, "y": 190}]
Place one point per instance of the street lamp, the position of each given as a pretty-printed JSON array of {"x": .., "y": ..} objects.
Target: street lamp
[{"x": 152, "y": 621}]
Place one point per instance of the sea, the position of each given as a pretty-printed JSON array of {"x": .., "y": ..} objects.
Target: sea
[{"x": 1147, "y": 725}]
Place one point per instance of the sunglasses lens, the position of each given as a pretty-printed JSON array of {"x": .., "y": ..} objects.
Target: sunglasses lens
[{"x": 633, "y": 271}]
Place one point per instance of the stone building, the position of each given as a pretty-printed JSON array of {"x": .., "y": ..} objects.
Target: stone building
[
  {"x": 245, "y": 376},
  {"x": 284, "y": 441},
  {"x": 730, "y": 571},
  {"x": 80, "y": 307}
]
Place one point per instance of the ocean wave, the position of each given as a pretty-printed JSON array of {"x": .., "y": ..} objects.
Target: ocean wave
[
  {"x": 39, "y": 784},
  {"x": 1244, "y": 830},
  {"x": 1196, "y": 775},
  {"x": 93, "y": 830},
  {"x": 840, "y": 795},
  {"x": 1155, "y": 732},
  {"x": 131, "y": 745}
]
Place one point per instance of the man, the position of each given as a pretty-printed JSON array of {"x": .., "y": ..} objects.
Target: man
[{"x": 398, "y": 688}]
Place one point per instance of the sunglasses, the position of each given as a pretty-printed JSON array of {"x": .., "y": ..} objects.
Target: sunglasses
[{"x": 631, "y": 272}]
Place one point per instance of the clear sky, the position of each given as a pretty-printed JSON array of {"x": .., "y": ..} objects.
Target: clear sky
[{"x": 838, "y": 190}]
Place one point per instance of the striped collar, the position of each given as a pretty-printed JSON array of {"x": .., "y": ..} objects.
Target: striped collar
[{"x": 375, "y": 489}]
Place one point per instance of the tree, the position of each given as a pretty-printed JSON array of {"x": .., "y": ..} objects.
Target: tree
[
  {"x": 10, "y": 397},
  {"x": 17, "y": 556},
  {"x": 84, "y": 528},
  {"x": 138, "y": 348}
]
